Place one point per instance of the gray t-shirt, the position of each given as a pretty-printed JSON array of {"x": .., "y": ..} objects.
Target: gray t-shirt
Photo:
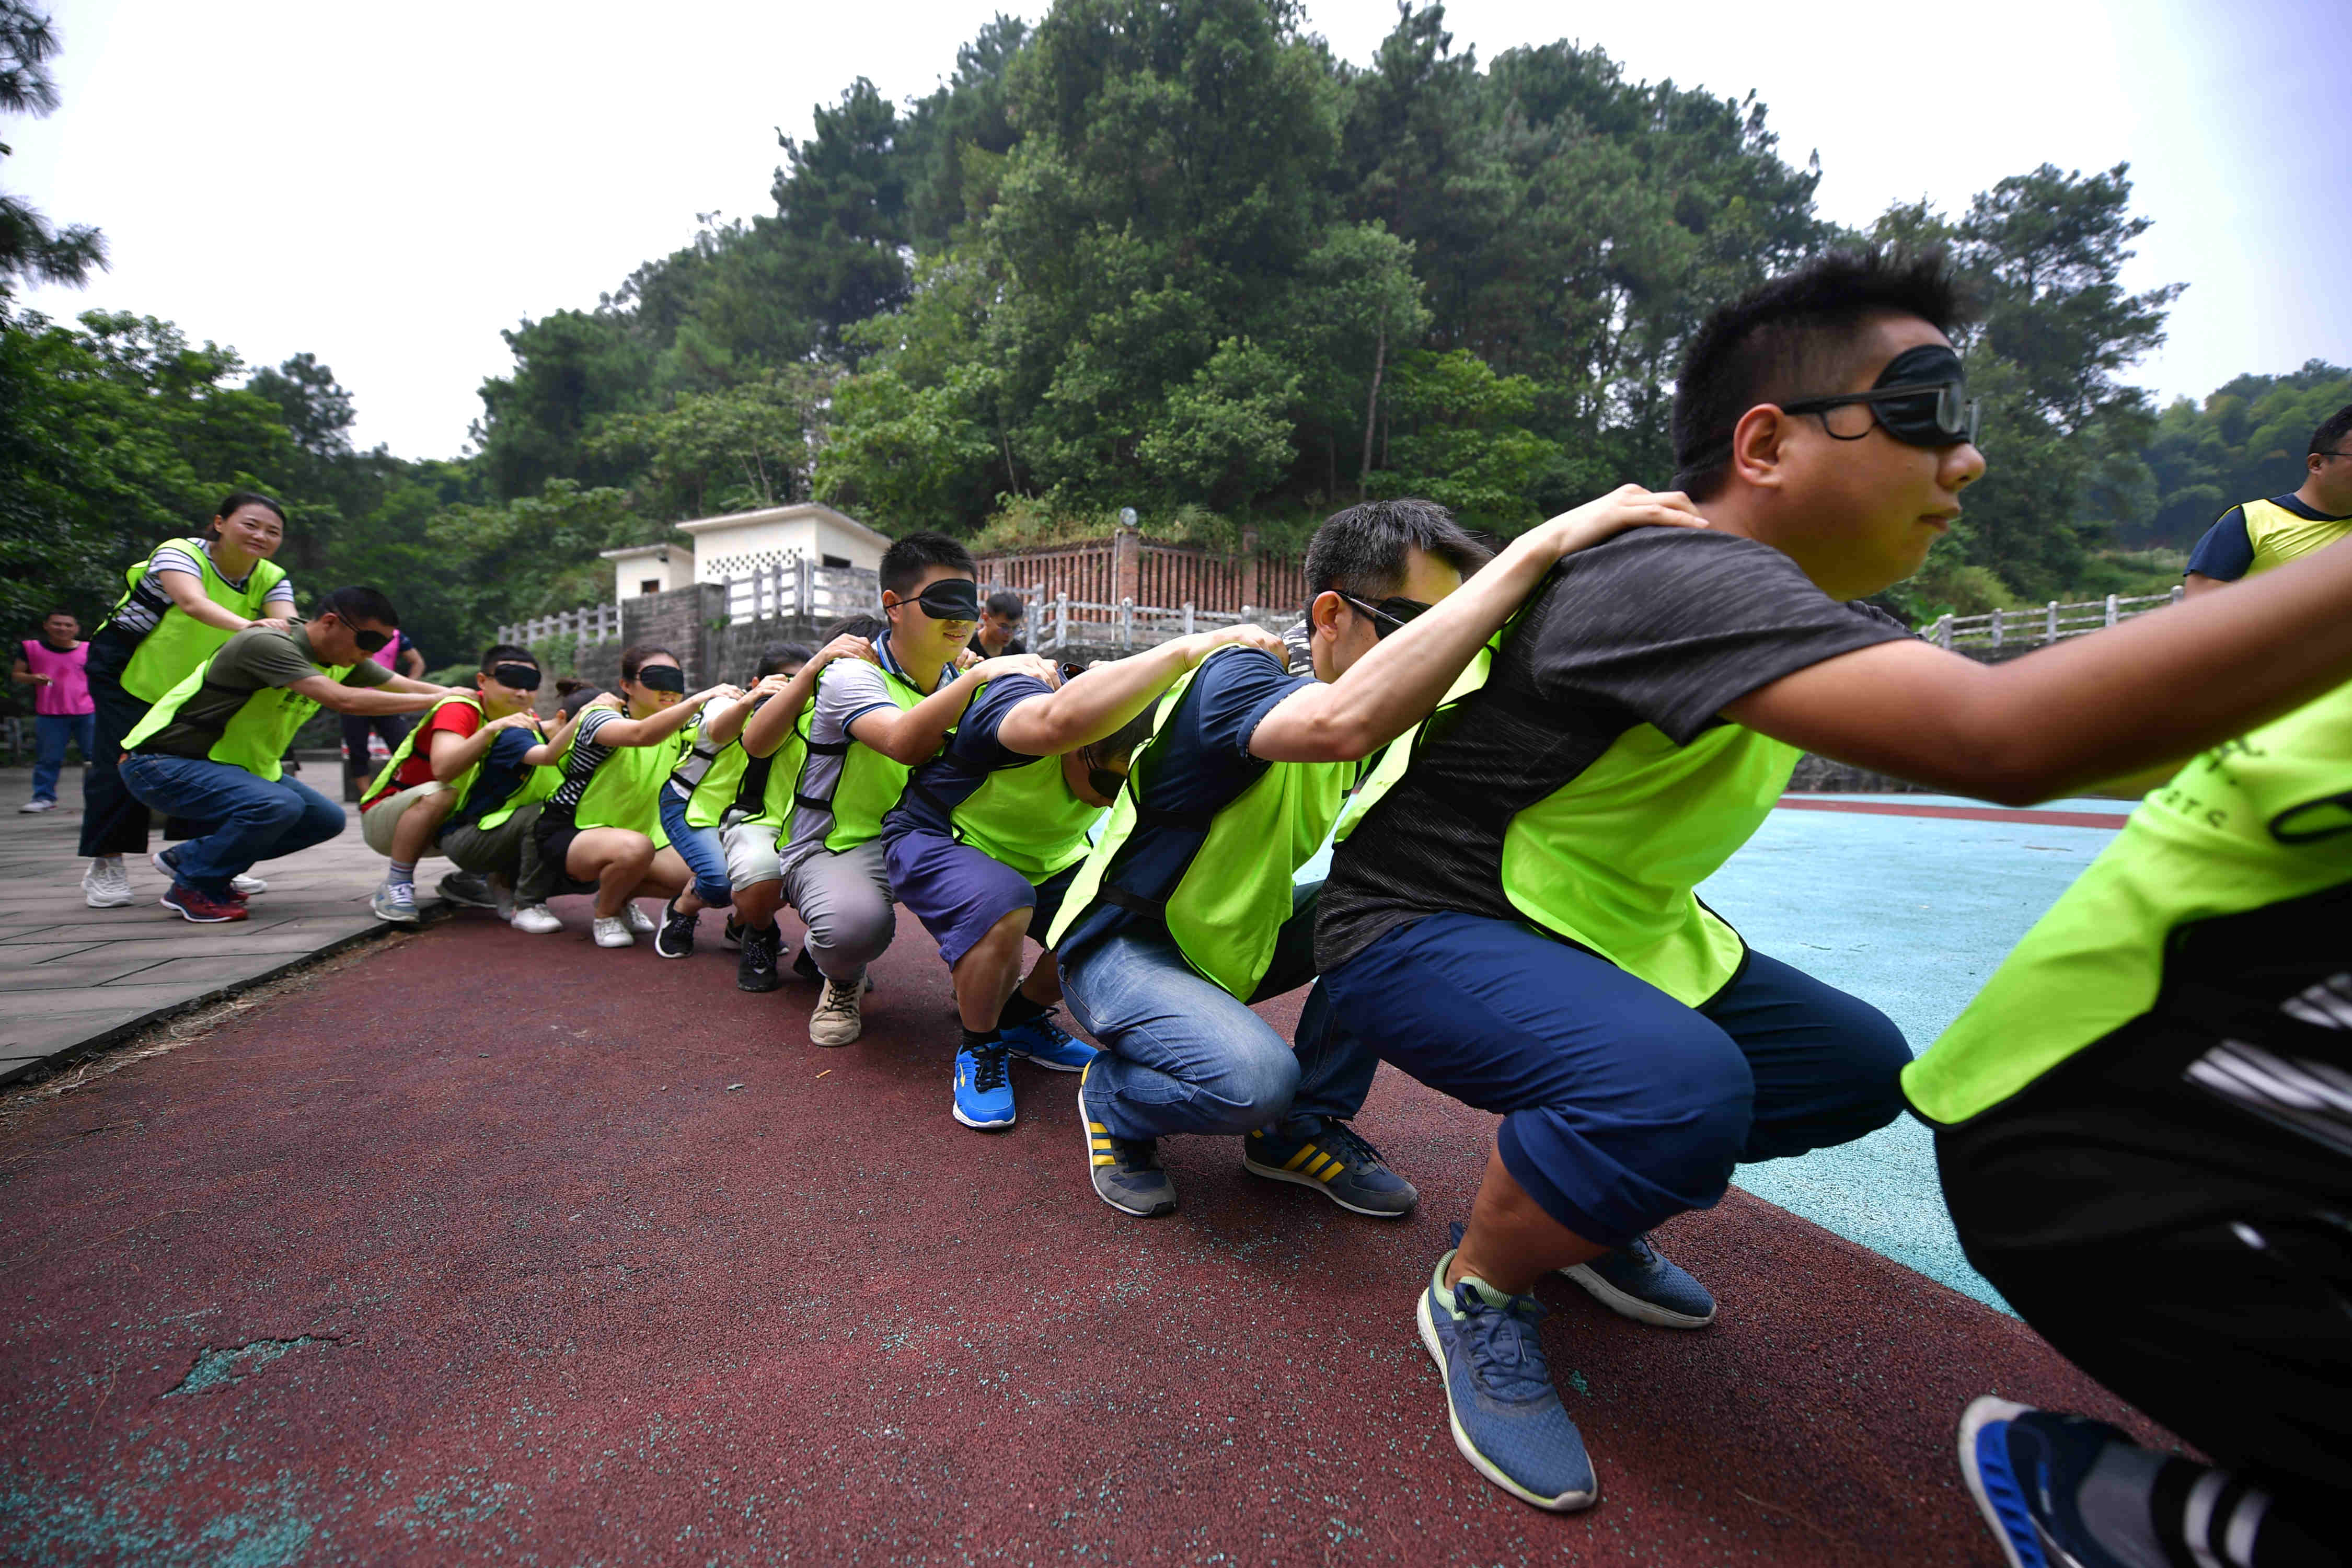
[
  {"x": 1663, "y": 627},
  {"x": 847, "y": 689}
]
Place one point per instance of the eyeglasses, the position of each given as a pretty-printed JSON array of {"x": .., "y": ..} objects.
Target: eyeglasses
[
  {"x": 1932, "y": 413},
  {"x": 2332, "y": 454},
  {"x": 1390, "y": 615},
  {"x": 370, "y": 641}
]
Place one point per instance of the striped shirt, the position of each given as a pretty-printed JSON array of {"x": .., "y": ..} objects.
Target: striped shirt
[
  {"x": 580, "y": 767},
  {"x": 143, "y": 611}
]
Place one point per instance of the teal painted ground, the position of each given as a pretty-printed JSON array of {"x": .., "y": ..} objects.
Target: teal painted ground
[{"x": 1910, "y": 913}]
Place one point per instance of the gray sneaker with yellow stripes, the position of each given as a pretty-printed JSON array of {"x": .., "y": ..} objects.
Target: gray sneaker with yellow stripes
[
  {"x": 1125, "y": 1171},
  {"x": 1335, "y": 1160}
]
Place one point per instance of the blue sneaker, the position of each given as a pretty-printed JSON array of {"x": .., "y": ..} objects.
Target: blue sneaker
[
  {"x": 984, "y": 1087},
  {"x": 1046, "y": 1043},
  {"x": 1638, "y": 1281},
  {"x": 1336, "y": 1162},
  {"x": 2024, "y": 1468},
  {"x": 1506, "y": 1416}
]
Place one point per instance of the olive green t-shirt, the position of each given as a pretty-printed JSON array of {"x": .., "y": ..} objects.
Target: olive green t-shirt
[{"x": 251, "y": 660}]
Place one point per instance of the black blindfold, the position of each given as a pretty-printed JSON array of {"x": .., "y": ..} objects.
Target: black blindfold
[
  {"x": 662, "y": 678},
  {"x": 951, "y": 599},
  {"x": 517, "y": 676}
]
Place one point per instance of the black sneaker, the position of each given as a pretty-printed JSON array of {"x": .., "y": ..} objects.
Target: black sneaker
[
  {"x": 734, "y": 935},
  {"x": 676, "y": 938},
  {"x": 756, "y": 970}
]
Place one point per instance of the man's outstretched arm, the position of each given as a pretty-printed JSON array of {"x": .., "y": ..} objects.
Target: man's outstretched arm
[{"x": 2155, "y": 690}]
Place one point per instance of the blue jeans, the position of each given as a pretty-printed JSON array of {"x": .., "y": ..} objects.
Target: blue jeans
[
  {"x": 50, "y": 734},
  {"x": 1621, "y": 1108},
  {"x": 252, "y": 819},
  {"x": 702, "y": 850},
  {"x": 1180, "y": 1054}
]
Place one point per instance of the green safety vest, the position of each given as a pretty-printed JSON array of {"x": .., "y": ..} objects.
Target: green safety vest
[
  {"x": 1026, "y": 817},
  {"x": 708, "y": 775},
  {"x": 257, "y": 734},
  {"x": 2278, "y": 536},
  {"x": 2257, "y": 822},
  {"x": 1610, "y": 858},
  {"x": 764, "y": 794},
  {"x": 541, "y": 783},
  {"x": 626, "y": 790},
  {"x": 869, "y": 784},
  {"x": 407, "y": 748},
  {"x": 735, "y": 786},
  {"x": 180, "y": 643},
  {"x": 1227, "y": 908}
]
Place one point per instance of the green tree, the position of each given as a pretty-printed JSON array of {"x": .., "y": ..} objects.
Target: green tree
[
  {"x": 2062, "y": 430},
  {"x": 746, "y": 446},
  {"x": 30, "y": 246}
]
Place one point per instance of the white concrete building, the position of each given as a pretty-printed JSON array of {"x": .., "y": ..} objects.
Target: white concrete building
[
  {"x": 649, "y": 568},
  {"x": 744, "y": 543}
]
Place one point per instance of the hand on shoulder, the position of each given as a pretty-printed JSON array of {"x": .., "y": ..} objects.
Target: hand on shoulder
[{"x": 1627, "y": 505}]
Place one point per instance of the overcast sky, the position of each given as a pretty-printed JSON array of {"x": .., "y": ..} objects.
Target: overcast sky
[{"x": 388, "y": 186}]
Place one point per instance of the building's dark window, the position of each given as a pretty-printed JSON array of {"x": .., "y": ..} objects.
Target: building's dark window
[{"x": 833, "y": 559}]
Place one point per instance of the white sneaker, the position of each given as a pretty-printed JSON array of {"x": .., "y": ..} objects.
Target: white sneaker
[
  {"x": 838, "y": 1019},
  {"x": 105, "y": 886},
  {"x": 31, "y": 806},
  {"x": 395, "y": 902},
  {"x": 248, "y": 886},
  {"x": 535, "y": 919},
  {"x": 611, "y": 931},
  {"x": 639, "y": 922}
]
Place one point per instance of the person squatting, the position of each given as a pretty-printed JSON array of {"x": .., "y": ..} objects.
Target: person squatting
[{"x": 1526, "y": 761}]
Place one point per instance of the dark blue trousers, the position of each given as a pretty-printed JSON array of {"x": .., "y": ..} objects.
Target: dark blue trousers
[{"x": 1621, "y": 1107}]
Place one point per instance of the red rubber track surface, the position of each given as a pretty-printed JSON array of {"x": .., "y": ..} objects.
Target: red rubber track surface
[
  {"x": 472, "y": 1251},
  {"x": 2112, "y": 820}
]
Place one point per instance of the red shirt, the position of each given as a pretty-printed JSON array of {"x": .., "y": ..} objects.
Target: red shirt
[{"x": 459, "y": 719}]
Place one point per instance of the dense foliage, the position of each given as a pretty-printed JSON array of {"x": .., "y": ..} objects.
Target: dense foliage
[{"x": 1171, "y": 254}]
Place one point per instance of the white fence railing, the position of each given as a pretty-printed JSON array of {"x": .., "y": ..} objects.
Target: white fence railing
[
  {"x": 2042, "y": 623},
  {"x": 588, "y": 624},
  {"x": 798, "y": 587},
  {"x": 1061, "y": 621}
]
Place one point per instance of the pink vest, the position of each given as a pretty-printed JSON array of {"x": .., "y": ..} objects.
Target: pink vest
[
  {"x": 388, "y": 655},
  {"x": 67, "y": 693}
]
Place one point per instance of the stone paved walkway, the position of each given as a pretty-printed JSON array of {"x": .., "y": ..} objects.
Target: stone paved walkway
[{"x": 76, "y": 977}]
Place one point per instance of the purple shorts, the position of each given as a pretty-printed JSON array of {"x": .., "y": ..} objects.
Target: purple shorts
[{"x": 958, "y": 894}]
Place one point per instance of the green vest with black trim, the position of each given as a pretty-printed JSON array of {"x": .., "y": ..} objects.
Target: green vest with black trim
[
  {"x": 625, "y": 789},
  {"x": 1226, "y": 909},
  {"x": 2277, "y": 535},
  {"x": 1026, "y": 817},
  {"x": 257, "y": 734},
  {"x": 541, "y": 783},
  {"x": 2261, "y": 821},
  {"x": 1609, "y": 859},
  {"x": 868, "y": 785},
  {"x": 407, "y": 749},
  {"x": 180, "y": 643},
  {"x": 730, "y": 785}
]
